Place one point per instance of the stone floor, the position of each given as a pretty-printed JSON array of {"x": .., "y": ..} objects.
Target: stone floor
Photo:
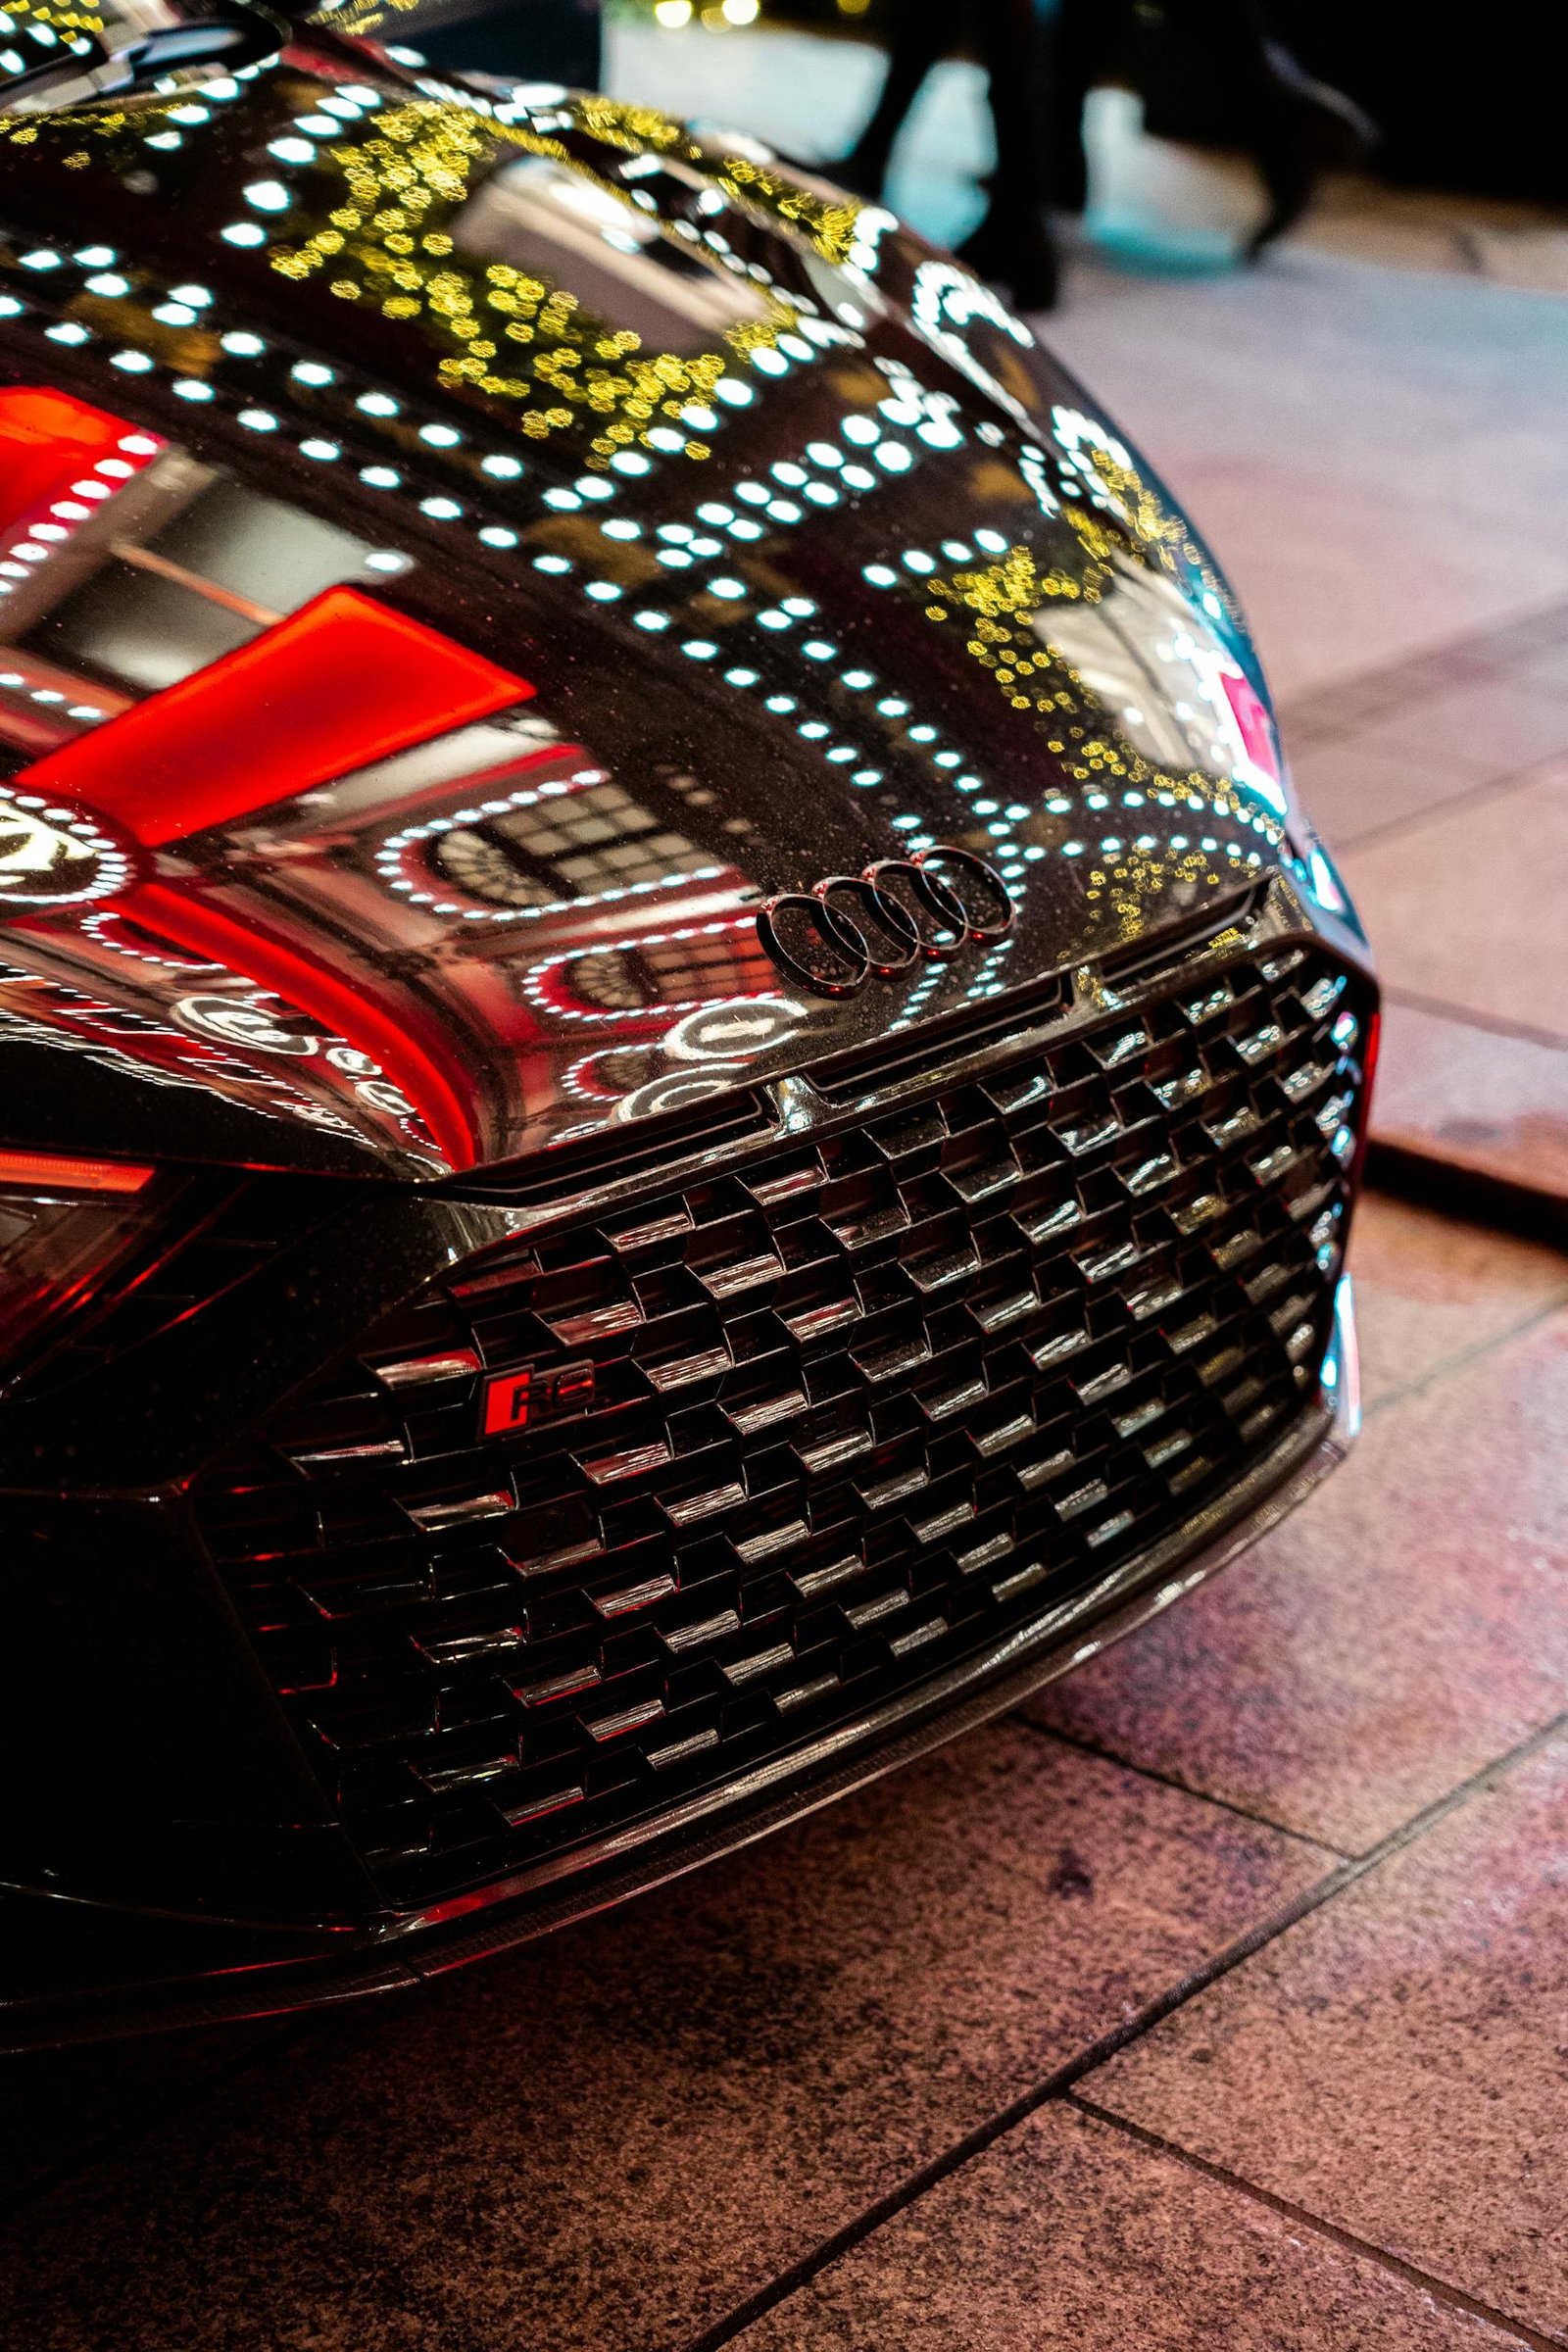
[
  {"x": 1216, "y": 1999},
  {"x": 1442, "y": 785}
]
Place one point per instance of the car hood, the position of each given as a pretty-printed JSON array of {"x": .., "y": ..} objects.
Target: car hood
[{"x": 461, "y": 555}]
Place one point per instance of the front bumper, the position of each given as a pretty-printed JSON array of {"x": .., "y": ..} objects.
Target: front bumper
[
  {"x": 109, "y": 1972},
  {"x": 163, "y": 1677}
]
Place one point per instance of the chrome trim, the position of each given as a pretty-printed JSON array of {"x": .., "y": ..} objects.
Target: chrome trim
[
  {"x": 845, "y": 937},
  {"x": 801, "y": 1109}
]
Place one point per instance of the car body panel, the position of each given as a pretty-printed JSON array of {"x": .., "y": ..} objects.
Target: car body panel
[{"x": 509, "y": 899}]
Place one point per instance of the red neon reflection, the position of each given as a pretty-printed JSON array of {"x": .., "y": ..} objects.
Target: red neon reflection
[
  {"x": 42, "y": 1170},
  {"x": 46, "y": 439},
  {"x": 1369, "y": 1072},
  {"x": 412, "y": 1051},
  {"x": 1252, "y": 722},
  {"x": 339, "y": 684}
]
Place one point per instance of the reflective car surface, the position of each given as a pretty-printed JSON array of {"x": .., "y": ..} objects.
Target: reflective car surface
[{"x": 681, "y": 1089}]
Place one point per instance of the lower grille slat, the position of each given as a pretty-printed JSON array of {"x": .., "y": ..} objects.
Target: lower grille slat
[{"x": 854, "y": 1412}]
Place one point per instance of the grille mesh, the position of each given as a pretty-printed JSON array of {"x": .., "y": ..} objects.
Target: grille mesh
[{"x": 860, "y": 1406}]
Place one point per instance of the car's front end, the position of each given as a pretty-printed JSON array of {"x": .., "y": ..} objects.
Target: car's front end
[{"x": 682, "y": 1093}]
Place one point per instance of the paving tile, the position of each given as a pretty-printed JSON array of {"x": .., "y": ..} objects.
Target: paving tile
[
  {"x": 1544, "y": 668},
  {"x": 1309, "y": 417},
  {"x": 1405, "y": 1627},
  {"x": 1325, "y": 714},
  {"x": 1395, "y": 2062},
  {"x": 1336, "y": 574},
  {"x": 605, "y": 2141},
  {"x": 1431, "y": 1288},
  {"x": 1479, "y": 729},
  {"x": 1349, "y": 791},
  {"x": 1480, "y": 1100},
  {"x": 58, "y": 2106},
  {"x": 1533, "y": 256},
  {"x": 1531, "y": 651},
  {"x": 1069, "y": 2232},
  {"x": 1534, "y": 632},
  {"x": 1465, "y": 909}
]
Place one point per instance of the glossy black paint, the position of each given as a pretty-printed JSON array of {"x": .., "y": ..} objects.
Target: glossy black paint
[
  {"x": 804, "y": 556},
  {"x": 709, "y": 799}
]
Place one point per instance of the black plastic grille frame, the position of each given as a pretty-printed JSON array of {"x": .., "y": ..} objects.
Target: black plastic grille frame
[{"x": 860, "y": 1406}]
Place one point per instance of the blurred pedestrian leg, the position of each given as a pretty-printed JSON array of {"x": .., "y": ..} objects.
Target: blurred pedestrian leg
[
  {"x": 1012, "y": 244},
  {"x": 1293, "y": 127}
]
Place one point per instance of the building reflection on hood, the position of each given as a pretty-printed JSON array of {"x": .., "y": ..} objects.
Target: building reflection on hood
[{"x": 401, "y": 743}]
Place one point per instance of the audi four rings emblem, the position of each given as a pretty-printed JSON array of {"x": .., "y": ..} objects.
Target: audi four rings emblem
[{"x": 831, "y": 939}]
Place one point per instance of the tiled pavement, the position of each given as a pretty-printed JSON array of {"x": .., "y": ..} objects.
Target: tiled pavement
[
  {"x": 1217, "y": 1999},
  {"x": 1441, "y": 786}
]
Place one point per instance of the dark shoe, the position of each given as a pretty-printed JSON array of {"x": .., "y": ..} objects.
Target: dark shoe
[
  {"x": 1308, "y": 129},
  {"x": 1014, "y": 248}
]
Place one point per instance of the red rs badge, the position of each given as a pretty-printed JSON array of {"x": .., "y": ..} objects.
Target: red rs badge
[{"x": 516, "y": 1401}]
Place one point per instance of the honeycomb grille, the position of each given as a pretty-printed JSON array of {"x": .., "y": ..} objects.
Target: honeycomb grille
[{"x": 804, "y": 1433}]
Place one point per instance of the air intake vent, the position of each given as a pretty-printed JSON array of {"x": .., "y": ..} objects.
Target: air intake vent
[{"x": 606, "y": 1521}]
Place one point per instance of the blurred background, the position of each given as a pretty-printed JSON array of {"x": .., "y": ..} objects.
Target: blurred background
[{"x": 1471, "y": 170}]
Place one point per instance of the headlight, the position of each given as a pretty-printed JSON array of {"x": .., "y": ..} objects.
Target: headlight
[{"x": 65, "y": 1224}]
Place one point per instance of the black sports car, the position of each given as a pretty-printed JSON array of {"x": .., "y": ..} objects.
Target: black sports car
[{"x": 680, "y": 1088}]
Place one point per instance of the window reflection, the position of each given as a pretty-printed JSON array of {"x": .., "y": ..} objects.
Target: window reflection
[
  {"x": 1166, "y": 684},
  {"x": 186, "y": 567},
  {"x": 545, "y": 219},
  {"x": 597, "y": 840},
  {"x": 655, "y": 974}
]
